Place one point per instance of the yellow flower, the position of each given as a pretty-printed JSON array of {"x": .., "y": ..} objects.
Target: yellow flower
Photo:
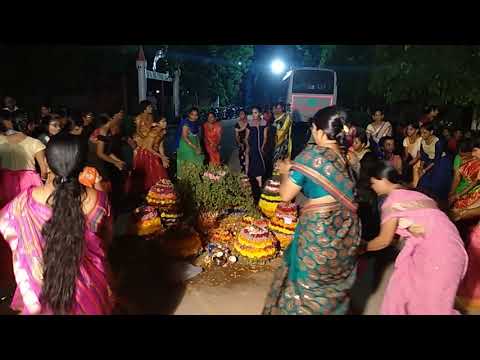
[{"x": 280, "y": 229}]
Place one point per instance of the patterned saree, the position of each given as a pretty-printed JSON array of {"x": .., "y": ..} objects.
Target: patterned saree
[{"x": 319, "y": 267}]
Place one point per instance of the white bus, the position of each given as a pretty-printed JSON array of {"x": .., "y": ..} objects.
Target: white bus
[{"x": 308, "y": 90}]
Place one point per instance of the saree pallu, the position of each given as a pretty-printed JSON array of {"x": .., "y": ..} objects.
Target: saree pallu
[
  {"x": 21, "y": 223},
  {"x": 13, "y": 182},
  {"x": 469, "y": 171},
  {"x": 186, "y": 155},
  {"x": 468, "y": 295},
  {"x": 319, "y": 267},
  {"x": 147, "y": 170},
  {"x": 432, "y": 262}
]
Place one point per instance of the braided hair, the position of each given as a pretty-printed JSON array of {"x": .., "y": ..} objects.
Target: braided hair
[{"x": 64, "y": 231}]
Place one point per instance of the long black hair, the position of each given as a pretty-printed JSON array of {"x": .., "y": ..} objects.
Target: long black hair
[
  {"x": 332, "y": 121},
  {"x": 64, "y": 231}
]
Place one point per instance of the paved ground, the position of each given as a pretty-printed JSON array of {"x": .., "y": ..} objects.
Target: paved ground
[{"x": 246, "y": 296}]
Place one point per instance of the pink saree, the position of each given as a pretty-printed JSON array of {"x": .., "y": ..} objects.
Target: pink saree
[
  {"x": 21, "y": 223},
  {"x": 431, "y": 264},
  {"x": 13, "y": 182}
]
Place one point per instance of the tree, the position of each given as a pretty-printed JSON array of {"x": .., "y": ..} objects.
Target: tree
[
  {"x": 210, "y": 70},
  {"x": 228, "y": 66},
  {"x": 313, "y": 55},
  {"x": 427, "y": 74}
]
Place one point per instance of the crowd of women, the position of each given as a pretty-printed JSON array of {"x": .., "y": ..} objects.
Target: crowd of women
[
  {"x": 352, "y": 177},
  {"x": 66, "y": 177}
]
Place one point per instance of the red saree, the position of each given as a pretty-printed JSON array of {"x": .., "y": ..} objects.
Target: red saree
[
  {"x": 470, "y": 171},
  {"x": 213, "y": 136},
  {"x": 147, "y": 169}
]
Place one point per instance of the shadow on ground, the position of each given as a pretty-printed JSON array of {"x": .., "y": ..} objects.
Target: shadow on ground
[
  {"x": 370, "y": 277},
  {"x": 146, "y": 280}
]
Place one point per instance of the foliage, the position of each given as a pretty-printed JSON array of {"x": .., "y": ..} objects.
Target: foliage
[
  {"x": 314, "y": 55},
  {"x": 427, "y": 74},
  {"x": 211, "y": 70},
  {"x": 200, "y": 193},
  {"x": 353, "y": 66}
]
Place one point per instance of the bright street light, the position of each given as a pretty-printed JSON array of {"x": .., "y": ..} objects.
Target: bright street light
[
  {"x": 240, "y": 63},
  {"x": 278, "y": 66}
]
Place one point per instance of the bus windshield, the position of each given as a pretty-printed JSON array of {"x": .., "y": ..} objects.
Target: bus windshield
[{"x": 313, "y": 82}]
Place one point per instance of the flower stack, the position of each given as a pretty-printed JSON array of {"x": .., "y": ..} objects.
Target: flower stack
[
  {"x": 284, "y": 222},
  {"x": 147, "y": 221},
  {"x": 270, "y": 198},
  {"x": 162, "y": 195},
  {"x": 255, "y": 243}
]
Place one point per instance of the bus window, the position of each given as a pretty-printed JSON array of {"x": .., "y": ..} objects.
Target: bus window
[{"x": 313, "y": 82}]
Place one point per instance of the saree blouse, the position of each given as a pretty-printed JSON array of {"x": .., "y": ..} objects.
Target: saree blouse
[{"x": 327, "y": 163}]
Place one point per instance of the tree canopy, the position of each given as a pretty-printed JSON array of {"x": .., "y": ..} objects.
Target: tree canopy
[
  {"x": 439, "y": 74},
  {"x": 210, "y": 70}
]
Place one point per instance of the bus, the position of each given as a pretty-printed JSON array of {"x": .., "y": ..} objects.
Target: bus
[{"x": 307, "y": 90}]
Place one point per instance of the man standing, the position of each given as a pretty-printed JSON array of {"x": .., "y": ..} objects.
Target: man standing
[{"x": 283, "y": 134}]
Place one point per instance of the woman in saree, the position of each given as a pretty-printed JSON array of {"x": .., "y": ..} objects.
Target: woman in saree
[
  {"x": 257, "y": 137},
  {"x": 149, "y": 160},
  {"x": 459, "y": 183},
  {"x": 411, "y": 157},
  {"x": 19, "y": 154},
  {"x": 144, "y": 120},
  {"x": 468, "y": 295},
  {"x": 212, "y": 136},
  {"x": 240, "y": 139},
  {"x": 378, "y": 129},
  {"x": 58, "y": 234},
  {"x": 358, "y": 149},
  {"x": 468, "y": 196},
  {"x": 435, "y": 171},
  {"x": 466, "y": 212},
  {"x": 319, "y": 266},
  {"x": 283, "y": 134},
  {"x": 189, "y": 150},
  {"x": 433, "y": 260}
]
